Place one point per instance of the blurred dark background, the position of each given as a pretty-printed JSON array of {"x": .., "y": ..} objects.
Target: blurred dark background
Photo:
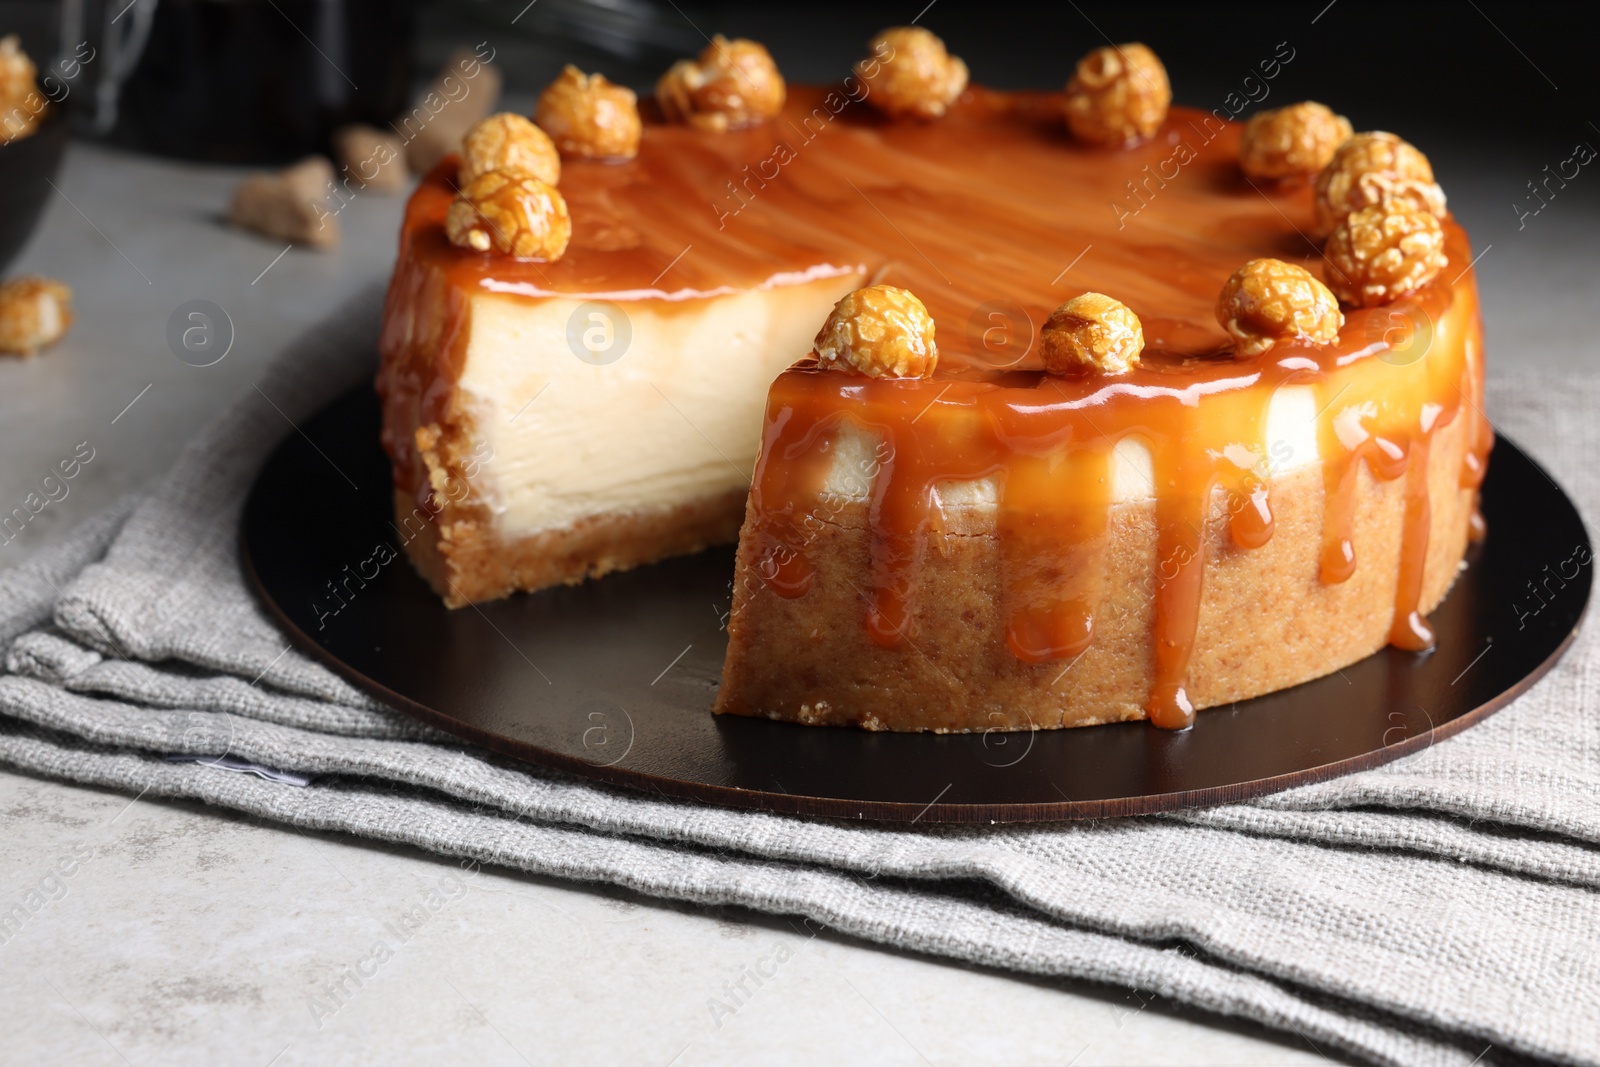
[
  {"x": 1487, "y": 70},
  {"x": 1447, "y": 65}
]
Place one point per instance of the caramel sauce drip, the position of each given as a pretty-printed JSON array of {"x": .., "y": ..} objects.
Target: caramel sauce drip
[
  {"x": 992, "y": 216},
  {"x": 1410, "y": 630},
  {"x": 1480, "y": 438},
  {"x": 1477, "y": 528}
]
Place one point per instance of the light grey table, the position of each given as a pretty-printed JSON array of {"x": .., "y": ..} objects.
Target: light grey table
[{"x": 191, "y": 935}]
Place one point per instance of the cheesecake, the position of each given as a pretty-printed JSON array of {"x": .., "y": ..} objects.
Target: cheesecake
[
  {"x": 1118, "y": 410},
  {"x": 1253, "y": 466}
]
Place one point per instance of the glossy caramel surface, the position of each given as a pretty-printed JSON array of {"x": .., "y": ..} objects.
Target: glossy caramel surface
[{"x": 994, "y": 204}]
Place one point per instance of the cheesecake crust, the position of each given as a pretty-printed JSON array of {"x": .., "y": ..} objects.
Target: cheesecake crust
[{"x": 466, "y": 562}]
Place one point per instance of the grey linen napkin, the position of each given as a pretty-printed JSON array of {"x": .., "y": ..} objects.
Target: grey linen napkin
[{"x": 1444, "y": 909}]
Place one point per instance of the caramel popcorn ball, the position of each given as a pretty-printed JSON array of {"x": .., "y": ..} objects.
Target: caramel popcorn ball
[
  {"x": 1091, "y": 332},
  {"x": 732, "y": 84},
  {"x": 1268, "y": 300},
  {"x": 589, "y": 117},
  {"x": 1379, "y": 254},
  {"x": 911, "y": 73},
  {"x": 1118, "y": 95},
  {"x": 881, "y": 332},
  {"x": 21, "y": 106},
  {"x": 512, "y": 213},
  {"x": 510, "y": 143},
  {"x": 34, "y": 314},
  {"x": 1296, "y": 140},
  {"x": 1369, "y": 169}
]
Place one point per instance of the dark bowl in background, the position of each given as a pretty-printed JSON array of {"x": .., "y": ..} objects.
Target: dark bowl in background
[{"x": 27, "y": 167}]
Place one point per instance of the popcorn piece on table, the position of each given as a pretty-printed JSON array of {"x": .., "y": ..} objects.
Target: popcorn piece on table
[
  {"x": 290, "y": 205},
  {"x": 731, "y": 85},
  {"x": 34, "y": 313},
  {"x": 375, "y": 159},
  {"x": 881, "y": 332},
  {"x": 464, "y": 91}
]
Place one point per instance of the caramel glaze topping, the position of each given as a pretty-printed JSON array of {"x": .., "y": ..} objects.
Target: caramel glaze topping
[{"x": 996, "y": 205}]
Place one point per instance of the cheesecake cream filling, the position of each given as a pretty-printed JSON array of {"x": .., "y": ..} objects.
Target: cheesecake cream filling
[{"x": 594, "y": 408}]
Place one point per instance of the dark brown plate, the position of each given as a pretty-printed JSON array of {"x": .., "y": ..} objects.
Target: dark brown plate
[{"x": 613, "y": 679}]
